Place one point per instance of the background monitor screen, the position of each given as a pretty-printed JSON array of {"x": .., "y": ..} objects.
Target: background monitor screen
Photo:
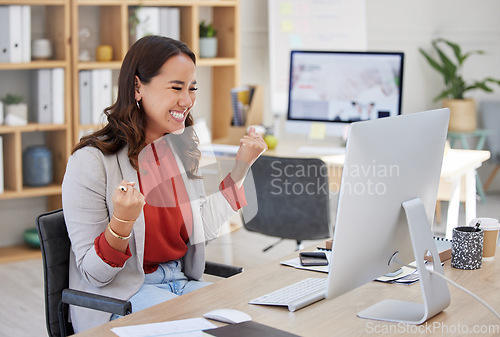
[{"x": 344, "y": 87}]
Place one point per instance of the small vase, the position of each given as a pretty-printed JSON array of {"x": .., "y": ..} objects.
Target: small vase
[
  {"x": 104, "y": 53},
  {"x": 208, "y": 47},
  {"x": 463, "y": 115},
  {"x": 37, "y": 166},
  {"x": 16, "y": 114},
  {"x": 41, "y": 49}
]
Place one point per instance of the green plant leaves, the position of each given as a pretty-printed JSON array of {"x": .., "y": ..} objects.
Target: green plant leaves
[
  {"x": 207, "y": 30},
  {"x": 450, "y": 69},
  {"x": 12, "y": 99}
]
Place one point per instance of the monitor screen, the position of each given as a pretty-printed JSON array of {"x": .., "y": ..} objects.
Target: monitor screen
[{"x": 344, "y": 87}]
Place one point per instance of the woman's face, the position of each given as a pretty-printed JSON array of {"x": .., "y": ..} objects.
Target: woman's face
[{"x": 169, "y": 97}]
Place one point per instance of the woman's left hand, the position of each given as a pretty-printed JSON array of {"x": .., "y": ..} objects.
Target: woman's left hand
[{"x": 252, "y": 145}]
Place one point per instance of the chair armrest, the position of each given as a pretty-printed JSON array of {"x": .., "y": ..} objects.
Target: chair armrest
[
  {"x": 221, "y": 270},
  {"x": 96, "y": 302}
]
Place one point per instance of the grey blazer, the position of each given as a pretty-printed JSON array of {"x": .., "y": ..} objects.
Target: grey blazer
[{"x": 89, "y": 183}]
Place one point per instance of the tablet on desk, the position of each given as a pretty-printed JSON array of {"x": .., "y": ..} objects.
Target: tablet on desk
[{"x": 313, "y": 259}]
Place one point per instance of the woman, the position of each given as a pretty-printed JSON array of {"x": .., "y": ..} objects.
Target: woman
[{"x": 135, "y": 208}]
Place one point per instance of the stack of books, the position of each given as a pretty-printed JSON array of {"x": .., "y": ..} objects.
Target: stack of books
[{"x": 241, "y": 97}]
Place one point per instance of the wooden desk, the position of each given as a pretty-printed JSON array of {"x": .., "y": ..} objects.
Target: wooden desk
[
  {"x": 459, "y": 169},
  {"x": 335, "y": 317}
]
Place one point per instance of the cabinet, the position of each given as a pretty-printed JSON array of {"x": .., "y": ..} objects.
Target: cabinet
[
  {"x": 76, "y": 25},
  {"x": 50, "y": 20},
  {"x": 111, "y": 27}
]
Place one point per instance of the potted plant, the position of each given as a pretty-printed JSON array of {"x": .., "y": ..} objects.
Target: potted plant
[
  {"x": 16, "y": 112},
  {"x": 208, "y": 40},
  {"x": 463, "y": 109}
]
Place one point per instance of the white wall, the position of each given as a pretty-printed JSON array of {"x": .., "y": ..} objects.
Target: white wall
[
  {"x": 407, "y": 25},
  {"x": 401, "y": 25}
]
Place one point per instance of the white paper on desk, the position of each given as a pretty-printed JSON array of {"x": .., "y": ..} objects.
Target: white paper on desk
[
  {"x": 408, "y": 276},
  {"x": 191, "y": 327},
  {"x": 406, "y": 271},
  {"x": 295, "y": 262}
]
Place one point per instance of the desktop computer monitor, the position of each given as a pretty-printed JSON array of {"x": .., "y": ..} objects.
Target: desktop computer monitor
[
  {"x": 341, "y": 87},
  {"x": 386, "y": 205}
]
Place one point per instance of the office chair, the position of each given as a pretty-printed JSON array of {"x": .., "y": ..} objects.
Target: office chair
[
  {"x": 490, "y": 113},
  {"x": 55, "y": 246},
  {"x": 292, "y": 199}
]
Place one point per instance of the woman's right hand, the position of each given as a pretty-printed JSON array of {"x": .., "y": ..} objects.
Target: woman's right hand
[{"x": 127, "y": 201}]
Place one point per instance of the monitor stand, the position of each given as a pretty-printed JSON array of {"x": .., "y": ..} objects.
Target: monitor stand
[{"x": 435, "y": 291}]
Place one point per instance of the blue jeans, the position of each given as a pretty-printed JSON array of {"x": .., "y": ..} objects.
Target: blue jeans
[{"x": 167, "y": 282}]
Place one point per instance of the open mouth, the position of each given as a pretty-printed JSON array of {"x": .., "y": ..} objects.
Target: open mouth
[{"x": 178, "y": 116}]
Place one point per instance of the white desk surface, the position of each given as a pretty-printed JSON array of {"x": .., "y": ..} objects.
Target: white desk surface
[{"x": 455, "y": 162}]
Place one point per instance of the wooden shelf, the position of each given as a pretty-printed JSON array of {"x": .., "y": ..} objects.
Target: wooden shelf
[
  {"x": 214, "y": 62},
  {"x": 177, "y": 3},
  {"x": 114, "y": 15},
  {"x": 52, "y": 17},
  {"x": 34, "y": 65},
  {"x": 30, "y": 192},
  {"x": 99, "y": 65},
  {"x": 34, "y": 2},
  {"x": 18, "y": 253},
  {"x": 61, "y": 25},
  {"x": 32, "y": 127}
]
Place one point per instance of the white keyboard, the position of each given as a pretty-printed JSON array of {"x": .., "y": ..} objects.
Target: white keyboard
[
  {"x": 296, "y": 295},
  {"x": 321, "y": 150}
]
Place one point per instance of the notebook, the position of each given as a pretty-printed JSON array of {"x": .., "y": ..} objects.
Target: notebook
[
  {"x": 248, "y": 329},
  {"x": 443, "y": 246}
]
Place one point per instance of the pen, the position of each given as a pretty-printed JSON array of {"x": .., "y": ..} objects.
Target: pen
[{"x": 477, "y": 225}]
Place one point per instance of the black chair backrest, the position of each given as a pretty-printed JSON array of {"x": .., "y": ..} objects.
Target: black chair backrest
[
  {"x": 55, "y": 246},
  {"x": 292, "y": 198}
]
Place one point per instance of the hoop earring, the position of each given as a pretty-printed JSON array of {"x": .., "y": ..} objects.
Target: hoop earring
[{"x": 138, "y": 106}]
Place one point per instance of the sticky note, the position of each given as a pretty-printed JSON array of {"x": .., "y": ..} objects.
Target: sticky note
[
  {"x": 286, "y": 8},
  {"x": 286, "y": 26},
  {"x": 295, "y": 41},
  {"x": 318, "y": 131}
]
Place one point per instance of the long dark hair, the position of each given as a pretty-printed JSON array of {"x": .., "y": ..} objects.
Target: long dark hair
[{"x": 127, "y": 120}]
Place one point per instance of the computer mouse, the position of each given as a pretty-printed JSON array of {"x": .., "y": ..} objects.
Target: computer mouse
[{"x": 228, "y": 316}]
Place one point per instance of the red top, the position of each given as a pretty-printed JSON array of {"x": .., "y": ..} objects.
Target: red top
[{"x": 167, "y": 211}]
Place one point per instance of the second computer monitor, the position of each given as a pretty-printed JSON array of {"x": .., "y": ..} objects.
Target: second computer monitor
[{"x": 341, "y": 87}]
